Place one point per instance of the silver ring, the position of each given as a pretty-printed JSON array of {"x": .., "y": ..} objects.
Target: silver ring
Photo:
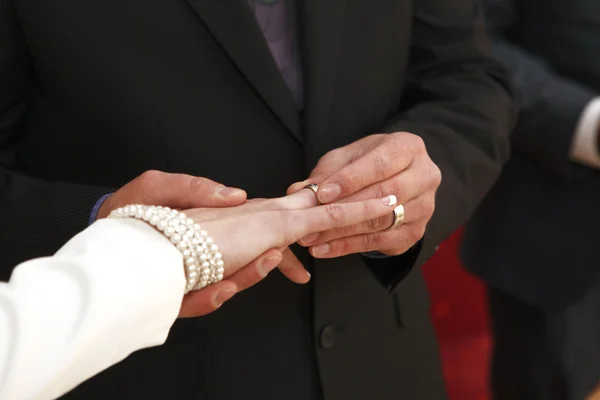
[
  {"x": 315, "y": 188},
  {"x": 398, "y": 215}
]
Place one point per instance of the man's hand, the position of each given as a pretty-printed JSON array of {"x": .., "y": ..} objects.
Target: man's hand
[
  {"x": 173, "y": 190},
  {"x": 180, "y": 191},
  {"x": 375, "y": 166}
]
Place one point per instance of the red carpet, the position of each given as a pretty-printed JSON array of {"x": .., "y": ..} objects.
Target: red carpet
[{"x": 460, "y": 318}]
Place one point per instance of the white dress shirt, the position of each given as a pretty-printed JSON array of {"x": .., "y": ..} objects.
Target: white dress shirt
[
  {"x": 585, "y": 142},
  {"x": 113, "y": 289}
]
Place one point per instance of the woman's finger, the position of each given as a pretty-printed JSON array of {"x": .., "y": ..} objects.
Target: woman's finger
[
  {"x": 300, "y": 223},
  {"x": 414, "y": 210},
  {"x": 292, "y": 268}
]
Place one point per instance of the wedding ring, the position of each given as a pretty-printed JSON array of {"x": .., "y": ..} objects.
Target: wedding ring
[
  {"x": 315, "y": 188},
  {"x": 398, "y": 215}
]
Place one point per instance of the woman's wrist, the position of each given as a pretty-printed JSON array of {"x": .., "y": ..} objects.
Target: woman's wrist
[{"x": 203, "y": 263}]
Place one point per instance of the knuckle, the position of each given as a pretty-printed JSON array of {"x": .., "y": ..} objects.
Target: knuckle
[
  {"x": 347, "y": 246},
  {"x": 371, "y": 241},
  {"x": 371, "y": 224},
  {"x": 436, "y": 175},
  {"x": 383, "y": 162},
  {"x": 417, "y": 143},
  {"x": 381, "y": 191},
  {"x": 334, "y": 212},
  {"x": 429, "y": 206},
  {"x": 416, "y": 233},
  {"x": 329, "y": 157},
  {"x": 150, "y": 176},
  {"x": 374, "y": 224},
  {"x": 198, "y": 182}
]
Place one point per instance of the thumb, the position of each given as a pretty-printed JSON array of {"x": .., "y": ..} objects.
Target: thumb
[
  {"x": 327, "y": 165},
  {"x": 186, "y": 191}
]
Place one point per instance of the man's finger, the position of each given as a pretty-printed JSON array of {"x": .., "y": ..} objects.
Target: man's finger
[
  {"x": 186, "y": 191},
  {"x": 292, "y": 268},
  {"x": 377, "y": 165},
  {"x": 257, "y": 270},
  {"x": 211, "y": 298},
  {"x": 400, "y": 240},
  {"x": 207, "y": 300}
]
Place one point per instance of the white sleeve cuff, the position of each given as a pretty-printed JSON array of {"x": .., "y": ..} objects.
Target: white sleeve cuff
[{"x": 584, "y": 149}]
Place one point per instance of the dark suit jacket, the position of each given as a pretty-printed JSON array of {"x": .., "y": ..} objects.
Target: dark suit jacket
[
  {"x": 536, "y": 234},
  {"x": 93, "y": 93}
]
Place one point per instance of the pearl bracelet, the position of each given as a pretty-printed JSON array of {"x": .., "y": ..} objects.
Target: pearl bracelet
[{"x": 203, "y": 263}]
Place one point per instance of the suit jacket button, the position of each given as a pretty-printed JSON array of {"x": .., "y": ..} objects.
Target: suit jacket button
[{"x": 327, "y": 337}]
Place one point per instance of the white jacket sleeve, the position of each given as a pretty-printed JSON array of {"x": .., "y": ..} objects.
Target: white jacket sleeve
[{"x": 113, "y": 289}]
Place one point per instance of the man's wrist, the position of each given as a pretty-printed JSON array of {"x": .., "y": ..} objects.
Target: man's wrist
[{"x": 96, "y": 208}]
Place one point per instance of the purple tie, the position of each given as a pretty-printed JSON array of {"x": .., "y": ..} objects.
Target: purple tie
[{"x": 278, "y": 21}]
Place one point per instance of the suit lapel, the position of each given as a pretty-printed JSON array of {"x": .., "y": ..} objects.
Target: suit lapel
[
  {"x": 235, "y": 28},
  {"x": 322, "y": 24}
]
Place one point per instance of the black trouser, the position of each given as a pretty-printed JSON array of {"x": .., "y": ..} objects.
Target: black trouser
[{"x": 545, "y": 354}]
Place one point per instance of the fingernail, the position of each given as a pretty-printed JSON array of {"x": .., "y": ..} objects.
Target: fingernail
[
  {"x": 309, "y": 275},
  {"x": 222, "y": 296},
  {"x": 389, "y": 200},
  {"x": 308, "y": 239},
  {"x": 329, "y": 192},
  {"x": 267, "y": 265},
  {"x": 321, "y": 250},
  {"x": 225, "y": 191}
]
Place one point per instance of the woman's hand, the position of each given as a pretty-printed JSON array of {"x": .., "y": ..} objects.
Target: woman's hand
[
  {"x": 289, "y": 266},
  {"x": 242, "y": 236},
  {"x": 209, "y": 299}
]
